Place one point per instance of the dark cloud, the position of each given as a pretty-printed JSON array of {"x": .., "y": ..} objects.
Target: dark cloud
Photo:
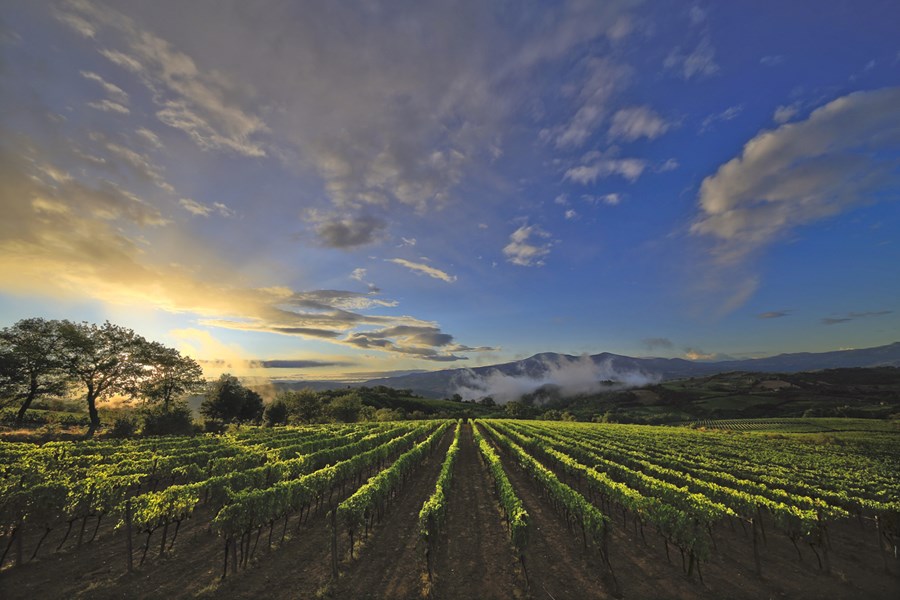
[
  {"x": 303, "y": 364},
  {"x": 350, "y": 232},
  {"x": 660, "y": 342},
  {"x": 850, "y": 316},
  {"x": 773, "y": 314}
]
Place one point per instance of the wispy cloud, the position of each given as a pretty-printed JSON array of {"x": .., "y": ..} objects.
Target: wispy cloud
[
  {"x": 630, "y": 124},
  {"x": 855, "y": 315},
  {"x": 204, "y": 210},
  {"x": 729, "y": 114},
  {"x": 597, "y": 166},
  {"x": 107, "y": 105},
  {"x": 657, "y": 343},
  {"x": 423, "y": 269},
  {"x": 700, "y": 62},
  {"x": 115, "y": 93},
  {"x": 774, "y": 314}
]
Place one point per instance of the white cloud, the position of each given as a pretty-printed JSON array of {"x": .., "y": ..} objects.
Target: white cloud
[
  {"x": 700, "y": 62},
  {"x": 115, "y": 93},
  {"x": 196, "y": 102},
  {"x": 840, "y": 157},
  {"x": 358, "y": 274},
  {"x": 632, "y": 123},
  {"x": 771, "y": 60},
  {"x": 571, "y": 214},
  {"x": 204, "y": 210},
  {"x": 562, "y": 200},
  {"x": 523, "y": 251},
  {"x": 599, "y": 168},
  {"x": 423, "y": 269},
  {"x": 669, "y": 165},
  {"x": 602, "y": 79},
  {"x": 729, "y": 114},
  {"x": 109, "y": 106},
  {"x": 783, "y": 114},
  {"x": 150, "y": 137}
]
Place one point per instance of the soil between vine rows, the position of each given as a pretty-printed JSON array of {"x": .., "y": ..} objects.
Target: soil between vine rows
[{"x": 472, "y": 560}]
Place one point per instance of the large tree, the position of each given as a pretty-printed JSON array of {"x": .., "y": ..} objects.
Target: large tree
[
  {"x": 105, "y": 359},
  {"x": 228, "y": 400},
  {"x": 166, "y": 375},
  {"x": 31, "y": 362}
]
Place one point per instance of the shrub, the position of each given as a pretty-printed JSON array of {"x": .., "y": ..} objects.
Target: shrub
[{"x": 123, "y": 427}]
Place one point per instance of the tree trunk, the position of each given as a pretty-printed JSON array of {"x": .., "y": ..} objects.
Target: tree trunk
[
  {"x": 92, "y": 411},
  {"x": 26, "y": 403}
]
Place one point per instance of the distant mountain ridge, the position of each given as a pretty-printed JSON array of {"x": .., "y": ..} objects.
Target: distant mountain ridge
[{"x": 440, "y": 384}]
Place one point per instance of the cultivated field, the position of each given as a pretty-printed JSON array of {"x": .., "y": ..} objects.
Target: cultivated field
[{"x": 498, "y": 509}]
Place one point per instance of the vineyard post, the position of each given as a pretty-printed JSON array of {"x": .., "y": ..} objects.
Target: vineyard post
[
  {"x": 19, "y": 536},
  {"x": 128, "y": 549}
]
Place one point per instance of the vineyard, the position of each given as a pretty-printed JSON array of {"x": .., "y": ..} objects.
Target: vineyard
[{"x": 445, "y": 509}]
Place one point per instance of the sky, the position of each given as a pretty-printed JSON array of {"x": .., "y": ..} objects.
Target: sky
[{"x": 309, "y": 190}]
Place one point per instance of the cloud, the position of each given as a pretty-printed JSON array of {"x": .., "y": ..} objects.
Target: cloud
[
  {"x": 602, "y": 78},
  {"x": 598, "y": 166},
  {"x": 668, "y": 165},
  {"x": 774, "y": 314},
  {"x": 771, "y": 60},
  {"x": 571, "y": 376},
  {"x": 358, "y": 274},
  {"x": 660, "y": 342},
  {"x": 522, "y": 251},
  {"x": 697, "y": 15},
  {"x": 420, "y": 341},
  {"x": 349, "y": 231},
  {"x": 62, "y": 238},
  {"x": 612, "y": 199},
  {"x": 150, "y": 137},
  {"x": 204, "y": 210},
  {"x": 109, "y": 106},
  {"x": 198, "y": 103},
  {"x": 802, "y": 172},
  {"x": 698, "y": 63},
  {"x": 783, "y": 114},
  {"x": 571, "y": 214},
  {"x": 423, "y": 269},
  {"x": 115, "y": 93},
  {"x": 855, "y": 315},
  {"x": 636, "y": 122},
  {"x": 302, "y": 363},
  {"x": 730, "y": 113}
]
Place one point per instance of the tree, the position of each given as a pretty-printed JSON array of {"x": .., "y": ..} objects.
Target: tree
[
  {"x": 276, "y": 412},
  {"x": 345, "y": 408},
  {"x": 167, "y": 374},
  {"x": 305, "y": 404},
  {"x": 228, "y": 400},
  {"x": 31, "y": 362},
  {"x": 104, "y": 359}
]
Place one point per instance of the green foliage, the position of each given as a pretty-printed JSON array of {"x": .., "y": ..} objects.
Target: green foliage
[
  {"x": 229, "y": 401},
  {"x": 276, "y": 413},
  {"x": 516, "y": 515},
  {"x": 433, "y": 512},
  {"x": 178, "y": 420},
  {"x": 344, "y": 408}
]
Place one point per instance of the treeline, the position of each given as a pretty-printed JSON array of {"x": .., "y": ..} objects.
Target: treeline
[{"x": 41, "y": 358}]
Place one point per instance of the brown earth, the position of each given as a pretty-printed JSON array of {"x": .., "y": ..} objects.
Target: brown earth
[
  {"x": 473, "y": 559},
  {"x": 474, "y": 553}
]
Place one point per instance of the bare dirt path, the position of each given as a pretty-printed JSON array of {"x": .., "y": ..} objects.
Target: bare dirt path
[
  {"x": 474, "y": 555},
  {"x": 558, "y": 564},
  {"x": 391, "y": 563}
]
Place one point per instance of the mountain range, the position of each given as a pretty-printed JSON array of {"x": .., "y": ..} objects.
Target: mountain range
[{"x": 440, "y": 384}]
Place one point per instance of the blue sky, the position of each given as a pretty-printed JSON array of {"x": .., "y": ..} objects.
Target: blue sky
[{"x": 380, "y": 186}]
